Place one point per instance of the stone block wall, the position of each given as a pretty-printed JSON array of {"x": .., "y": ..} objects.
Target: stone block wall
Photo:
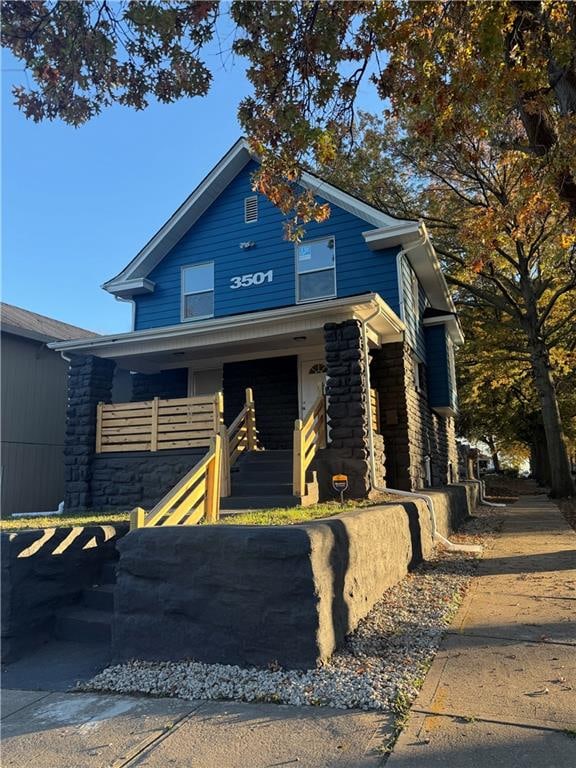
[
  {"x": 168, "y": 384},
  {"x": 411, "y": 430},
  {"x": 122, "y": 481},
  {"x": 90, "y": 381},
  {"x": 348, "y": 409},
  {"x": 274, "y": 382},
  {"x": 267, "y": 594}
]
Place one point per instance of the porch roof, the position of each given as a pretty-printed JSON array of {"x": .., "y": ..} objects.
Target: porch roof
[{"x": 277, "y": 331}]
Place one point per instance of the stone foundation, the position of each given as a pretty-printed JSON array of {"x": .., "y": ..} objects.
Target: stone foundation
[
  {"x": 90, "y": 381},
  {"x": 412, "y": 431},
  {"x": 348, "y": 410},
  {"x": 122, "y": 481}
]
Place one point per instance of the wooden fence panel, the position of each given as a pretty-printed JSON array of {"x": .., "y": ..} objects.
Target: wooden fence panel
[{"x": 158, "y": 424}]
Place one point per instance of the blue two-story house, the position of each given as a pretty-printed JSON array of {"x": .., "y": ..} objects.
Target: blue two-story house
[{"x": 357, "y": 315}]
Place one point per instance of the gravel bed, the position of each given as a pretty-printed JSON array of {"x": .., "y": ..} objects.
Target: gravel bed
[{"x": 387, "y": 655}]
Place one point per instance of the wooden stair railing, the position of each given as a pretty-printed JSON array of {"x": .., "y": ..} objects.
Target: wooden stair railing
[
  {"x": 196, "y": 496},
  {"x": 240, "y": 436},
  {"x": 309, "y": 437}
]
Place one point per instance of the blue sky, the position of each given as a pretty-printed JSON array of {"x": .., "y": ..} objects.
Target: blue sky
[{"x": 79, "y": 203}]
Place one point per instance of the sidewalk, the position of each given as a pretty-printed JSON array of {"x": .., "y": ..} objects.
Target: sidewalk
[
  {"x": 502, "y": 689},
  {"x": 500, "y": 693}
]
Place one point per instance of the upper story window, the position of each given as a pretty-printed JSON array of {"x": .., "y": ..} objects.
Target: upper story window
[
  {"x": 316, "y": 269},
  {"x": 198, "y": 291},
  {"x": 251, "y": 209}
]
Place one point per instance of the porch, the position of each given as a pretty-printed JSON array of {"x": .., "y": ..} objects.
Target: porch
[{"x": 130, "y": 450}]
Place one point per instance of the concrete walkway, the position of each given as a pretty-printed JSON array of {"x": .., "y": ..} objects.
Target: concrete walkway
[
  {"x": 79, "y": 730},
  {"x": 500, "y": 693},
  {"x": 502, "y": 689}
]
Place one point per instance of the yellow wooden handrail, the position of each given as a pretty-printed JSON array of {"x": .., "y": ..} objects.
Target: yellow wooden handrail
[
  {"x": 196, "y": 496},
  {"x": 242, "y": 433},
  {"x": 309, "y": 436}
]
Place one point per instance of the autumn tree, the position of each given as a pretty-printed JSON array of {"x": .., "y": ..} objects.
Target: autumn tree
[
  {"x": 479, "y": 100},
  {"x": 506, "y": 240}
]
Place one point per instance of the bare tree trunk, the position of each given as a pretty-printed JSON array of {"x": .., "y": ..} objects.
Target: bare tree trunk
[
  {"x": 539, "y": 464},
  {"x": 494, "y": 453},
  {"x": 561, "y": 483}
]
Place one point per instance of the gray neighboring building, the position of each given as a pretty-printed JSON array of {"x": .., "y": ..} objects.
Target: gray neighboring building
[{"x": 33, "y": 410}]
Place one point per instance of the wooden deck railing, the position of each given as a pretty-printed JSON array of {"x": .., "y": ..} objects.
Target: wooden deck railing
[
  {"x": 195, "y": 497},
  {"x": 240, "y": 436},
  {"x": 309, "y": 436},
  {"x": 156, "y": 425}
]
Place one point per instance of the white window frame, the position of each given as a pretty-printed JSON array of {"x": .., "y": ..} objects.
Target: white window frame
[
  {"x": 310, "y": 271},
  {"x": 417, "y": 362},
  {"x": 184, "y": 293}
]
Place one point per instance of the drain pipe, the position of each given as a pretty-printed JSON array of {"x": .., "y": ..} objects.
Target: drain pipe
[{"x": 436, "y": 536}]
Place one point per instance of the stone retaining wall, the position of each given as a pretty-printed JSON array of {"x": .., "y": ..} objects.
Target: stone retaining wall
[
  {"x": 411, "y": 429},
  {"x": 260, "y": 595},
  {"x": 44, "y": 570}
]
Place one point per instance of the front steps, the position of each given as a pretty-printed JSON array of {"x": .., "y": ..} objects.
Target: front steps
[
  {"x": 90, "y": 620},
  {"x": 263, "y": 480}
]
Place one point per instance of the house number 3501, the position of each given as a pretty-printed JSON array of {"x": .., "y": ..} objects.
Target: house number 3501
[{"x": 256, "y": 278}]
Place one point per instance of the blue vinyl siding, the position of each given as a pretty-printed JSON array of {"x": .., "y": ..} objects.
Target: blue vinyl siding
[
  {"x": 216, "y": 237},
  {"x": 440, "y": 372},
  {"x": 413, "y": 315}
]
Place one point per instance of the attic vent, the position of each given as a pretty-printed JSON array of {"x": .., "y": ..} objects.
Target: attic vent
[{"x": 250, "y": 209}]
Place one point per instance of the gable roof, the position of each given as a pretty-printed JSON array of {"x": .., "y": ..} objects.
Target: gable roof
[
  {"x": 389, "y": 231},
  {"x": 30, "y": 325},
  {"x": 133, "y": 278}
]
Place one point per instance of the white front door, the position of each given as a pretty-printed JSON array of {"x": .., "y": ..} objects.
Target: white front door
[{"x": 312, "y": 383}]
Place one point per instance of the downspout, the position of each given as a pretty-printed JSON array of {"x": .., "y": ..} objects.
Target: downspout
[
  {"x": 436, "y": 536},
  {"x": 368, "y": 403}
]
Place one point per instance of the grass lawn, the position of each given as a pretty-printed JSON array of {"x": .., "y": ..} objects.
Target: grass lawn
[
  {"x": 292, "y": 515},
  {"x": 275, "y": 516},
  {"x": 61, "y": 521}
]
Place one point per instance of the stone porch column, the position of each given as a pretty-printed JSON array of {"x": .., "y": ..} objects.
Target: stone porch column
[
  {"x": 89, "y": 382},
  {"x": 348, "y": 414}
]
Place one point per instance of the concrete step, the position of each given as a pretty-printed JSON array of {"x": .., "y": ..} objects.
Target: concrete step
[
  {"x": 259, "y": 502},
  {"x": 83, "y": 625},
  {"x": 268, "y": 473},
  {"x": 108, "y": 573},
  {"x": 263, "y": 457},
  {"x": 99, "y": 598},
  {"x": 241, "y": 487}
]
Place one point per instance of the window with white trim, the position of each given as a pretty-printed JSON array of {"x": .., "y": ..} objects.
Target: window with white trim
[
  {"x": 198, "y": 291},
  {"x": 316, "y": 269},
  {"x": 251, "y": 209}
]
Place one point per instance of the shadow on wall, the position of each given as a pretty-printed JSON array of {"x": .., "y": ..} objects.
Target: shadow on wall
[
  {"x": 339, "y": 563},
  {"x": 44, "y": 570}
]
